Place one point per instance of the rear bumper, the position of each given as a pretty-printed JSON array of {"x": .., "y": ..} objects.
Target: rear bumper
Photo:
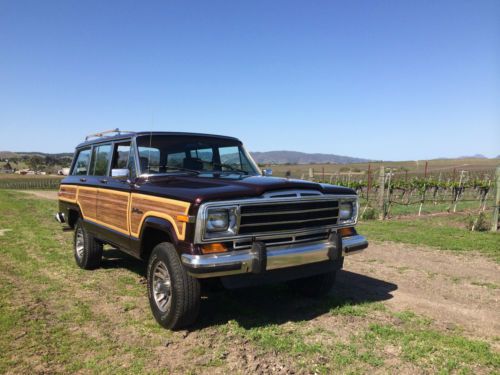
[
  {"x": 258, "y": 259},
  {"x": 60, "y": 218}
]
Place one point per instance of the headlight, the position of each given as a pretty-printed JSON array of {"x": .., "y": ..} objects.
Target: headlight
[
  {"x": 348, "y": 212},
  {"x": 345, "y": 210},
  {"x": 217, "y": 220},
  {"x": 220, "y": 221}
]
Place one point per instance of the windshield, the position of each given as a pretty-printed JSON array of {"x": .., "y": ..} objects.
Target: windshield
[{"x": 194, "y": 154}]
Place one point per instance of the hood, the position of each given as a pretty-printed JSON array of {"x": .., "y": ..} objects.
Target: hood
[{"x": 202, "y": 188}]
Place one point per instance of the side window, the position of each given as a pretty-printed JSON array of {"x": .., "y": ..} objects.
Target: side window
[
  {"x": 101, "y": 156},
  {"x": 121, "y": 156},
  {"x": 131, "y": 162},
  {"x": 81, "y": 166}
]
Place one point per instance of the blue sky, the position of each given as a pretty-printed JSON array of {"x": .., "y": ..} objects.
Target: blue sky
[{"x": 392, "y": 80}]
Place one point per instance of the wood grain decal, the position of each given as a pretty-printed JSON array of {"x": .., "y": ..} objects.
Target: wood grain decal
[
  {"x": 112, "y": 209},
  {"x": 142, "y": 206},
  {"x": 87, "y": 200},
  {"x": 68, "y": 193},
  {"x": 122, "y": 211}
]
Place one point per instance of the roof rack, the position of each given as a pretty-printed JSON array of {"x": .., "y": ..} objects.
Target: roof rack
[{"x": 106, "y": 132}]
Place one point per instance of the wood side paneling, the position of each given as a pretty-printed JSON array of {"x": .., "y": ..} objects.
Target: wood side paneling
[
  {"x": 68, "y": 193},
  {"x": 87, "y": 199},
  {"x": 112, "y": 209},
  {"x": 142, "y": 206}
]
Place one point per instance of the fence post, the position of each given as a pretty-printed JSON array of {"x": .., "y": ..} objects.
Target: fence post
[
  {"x": 381, "y": 183},
  {"x": 494, "y": 220}
]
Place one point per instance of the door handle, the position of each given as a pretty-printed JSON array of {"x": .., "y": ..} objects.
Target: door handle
[
  {"x": 104, "y": 181},
  {"x": 83, "y": 179}
]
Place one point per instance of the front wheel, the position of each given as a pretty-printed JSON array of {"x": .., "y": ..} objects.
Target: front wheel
[
  {"x": 314, "y": 286},
  {"x": 174, "y": 296}
]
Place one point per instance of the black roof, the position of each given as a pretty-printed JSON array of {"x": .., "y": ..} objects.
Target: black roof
[{"x": 128, "y": 135}]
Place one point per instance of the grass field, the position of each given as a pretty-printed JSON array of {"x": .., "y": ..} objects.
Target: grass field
[{"x": 57, "y": 318}]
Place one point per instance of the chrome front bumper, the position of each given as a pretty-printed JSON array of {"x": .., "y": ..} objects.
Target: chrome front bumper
[{"x": 259, "y": 259}]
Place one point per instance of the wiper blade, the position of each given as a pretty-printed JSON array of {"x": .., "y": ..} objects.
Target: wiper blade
[
  {"x": 232, "y": 169},
  {"x": 182, "y": 169}
]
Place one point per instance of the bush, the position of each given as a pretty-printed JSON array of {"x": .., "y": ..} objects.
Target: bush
[
  {"x": 479, "y": 223},
  {"x": 369, "y": 214}
]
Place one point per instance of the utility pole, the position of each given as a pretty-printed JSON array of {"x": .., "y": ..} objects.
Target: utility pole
[
  {"x": 494, "y": 220},
  {"x": 381, "y": 183}
]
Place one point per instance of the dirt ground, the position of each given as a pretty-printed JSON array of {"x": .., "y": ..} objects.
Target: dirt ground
[
  {"x": 453, "y": 289},
  {"x": 47, "y": 194}
]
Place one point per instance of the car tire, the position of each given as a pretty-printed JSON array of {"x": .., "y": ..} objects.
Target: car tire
[
  {"x": 86, "y": 249},
  {"x": 314, "y": 286},
  {"x": 174, "y": 296}
]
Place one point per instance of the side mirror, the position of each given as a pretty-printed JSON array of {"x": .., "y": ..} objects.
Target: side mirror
[
  {"x": 267, "y": 172},
  {"x": 120, "y": 173}
]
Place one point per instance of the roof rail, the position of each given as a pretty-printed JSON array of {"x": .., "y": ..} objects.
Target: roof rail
[{"x": 106, "y": 132}]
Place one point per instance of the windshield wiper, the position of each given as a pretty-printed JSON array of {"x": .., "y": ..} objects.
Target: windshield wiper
[
  {"x": 181, "y": 169},
  {"x": 232, "y": 169}
]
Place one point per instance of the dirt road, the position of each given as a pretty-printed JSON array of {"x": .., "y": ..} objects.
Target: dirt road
[{"x": 452, "y": 289}]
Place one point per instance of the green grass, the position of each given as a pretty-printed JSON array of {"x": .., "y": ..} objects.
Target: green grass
[
  {"x": 413, "y": 336},
  {"x": 57, "y": 318},
  {"x": 447, "y": 233}
]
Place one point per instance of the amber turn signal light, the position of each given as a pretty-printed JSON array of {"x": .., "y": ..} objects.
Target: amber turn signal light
[
  {"x": 213, "y": 248},
  {"x": 183, "y": 218},
  {"x": 346, "y": 232}
]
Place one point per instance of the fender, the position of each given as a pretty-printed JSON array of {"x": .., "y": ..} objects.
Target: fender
[{"x": 158, "y": 224}]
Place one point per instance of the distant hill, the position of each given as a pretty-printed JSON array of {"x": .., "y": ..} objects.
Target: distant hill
[
  {"x": 294, "y": 157},
  {"x": 476, "y": 156},
  {"x": 12, "y": 155}
]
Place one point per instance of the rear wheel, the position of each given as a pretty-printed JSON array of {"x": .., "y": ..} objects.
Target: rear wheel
[
  {"x": 314, "y": 286},
  {"x": 86, "y": 249},
  {"x": 174, "y": 296}
]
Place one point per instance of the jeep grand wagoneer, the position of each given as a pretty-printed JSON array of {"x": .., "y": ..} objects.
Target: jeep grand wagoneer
[{"x": 196, "y": 206}]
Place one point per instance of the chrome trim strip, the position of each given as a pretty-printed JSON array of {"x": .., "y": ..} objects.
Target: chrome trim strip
[
  {"x": 288, "y": 221},
  {"x": 289, "y": 212}
]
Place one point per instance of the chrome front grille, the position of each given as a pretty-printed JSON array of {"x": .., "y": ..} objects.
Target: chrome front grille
[
  {"x": 321, "y": 236},
  {"x": 292, "y": 215}
]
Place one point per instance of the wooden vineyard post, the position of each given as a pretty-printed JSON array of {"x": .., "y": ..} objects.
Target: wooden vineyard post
[
  {"x": 369, "y": 184},
  {"x": 381, "y": 196},
  {"x": 494, "y": 220}
]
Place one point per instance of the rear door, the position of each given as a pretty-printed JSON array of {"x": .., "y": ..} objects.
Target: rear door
[{"x": 114, "y": 193}]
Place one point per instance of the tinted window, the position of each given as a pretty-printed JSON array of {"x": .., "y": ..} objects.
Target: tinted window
[
  {"x": 81, "y": 166},
  {"x": 120, "y": 156},
  {"x": 100, "y": 159}
]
